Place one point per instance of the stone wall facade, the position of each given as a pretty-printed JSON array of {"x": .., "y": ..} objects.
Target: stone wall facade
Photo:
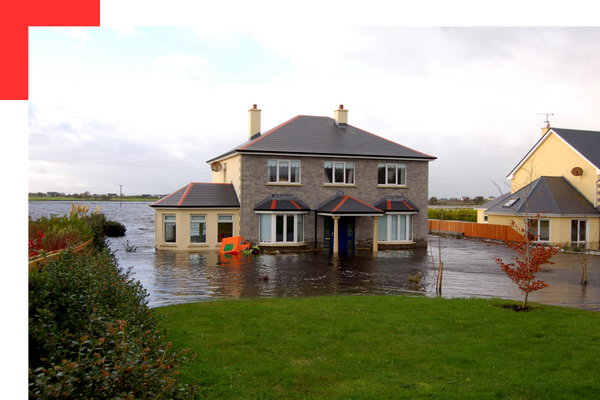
[{"x": 313, "y": 191}]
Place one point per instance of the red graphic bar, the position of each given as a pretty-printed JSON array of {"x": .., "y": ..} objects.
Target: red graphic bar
[{"x": 15, "y": 19}]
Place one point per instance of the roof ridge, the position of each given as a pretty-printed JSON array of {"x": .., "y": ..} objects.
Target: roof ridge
[{"x": 267, "y": 133}]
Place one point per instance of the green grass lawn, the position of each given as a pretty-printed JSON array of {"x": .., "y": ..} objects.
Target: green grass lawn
[{"x": 386, "y": 347}]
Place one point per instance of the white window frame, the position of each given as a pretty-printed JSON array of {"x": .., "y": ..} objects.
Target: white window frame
[
  {"x": 538, "y": 236},
  {"x": 289, "y": 168},
  {"x": 273, "y": 227},
  {"x": 199, "y": 222},
  {"x": 345, "y": 168},
  {"x": 580, "y": 243},
  {"x": 220, "y": 221},
  {"x": 409, "y": 228},
  {"x": 396, "y": 165},
  {"x": 168, "y": 221}
]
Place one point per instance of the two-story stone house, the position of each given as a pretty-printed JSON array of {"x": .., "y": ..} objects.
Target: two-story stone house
[{"x": 311, "y": 182}]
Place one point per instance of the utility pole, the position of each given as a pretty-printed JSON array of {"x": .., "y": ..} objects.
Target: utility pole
[{"x": 120, "y": 194}]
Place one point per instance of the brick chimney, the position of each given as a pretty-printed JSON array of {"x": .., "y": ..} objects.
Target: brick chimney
[
  {"x": 341, "y": 116},
  {"x": 253, "y": 122}
]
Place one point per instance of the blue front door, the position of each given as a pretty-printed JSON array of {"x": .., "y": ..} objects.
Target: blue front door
[{"x": 345, "y": 235}]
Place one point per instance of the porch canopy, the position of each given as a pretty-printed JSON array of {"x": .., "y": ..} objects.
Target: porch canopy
[
  {"x": 281, "y": 202},
  {"x": 346, "y": 206}
]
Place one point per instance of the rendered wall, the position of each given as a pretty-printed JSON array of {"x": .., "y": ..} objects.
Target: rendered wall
[{"x": 233, "y": 173}]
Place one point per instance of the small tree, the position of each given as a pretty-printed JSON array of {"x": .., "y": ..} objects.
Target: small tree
[{"x": 532, "y": 256}]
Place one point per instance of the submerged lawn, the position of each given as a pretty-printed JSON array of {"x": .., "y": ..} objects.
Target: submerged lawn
[{"x": 388, "y": 347}]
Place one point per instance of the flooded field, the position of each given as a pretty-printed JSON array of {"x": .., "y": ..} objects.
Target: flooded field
[{"x": 469, "y": 269}]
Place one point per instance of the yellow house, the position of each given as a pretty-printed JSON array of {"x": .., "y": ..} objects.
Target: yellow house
[
  {"x": 556, "y": 186},
  {"x": 197, "y": 217}
]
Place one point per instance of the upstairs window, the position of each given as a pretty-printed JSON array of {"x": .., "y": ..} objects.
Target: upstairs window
[
  {"x": 283, "y": 171},
  {"x": 391, "y": 174},
  {"x": 338, "y": 172}
]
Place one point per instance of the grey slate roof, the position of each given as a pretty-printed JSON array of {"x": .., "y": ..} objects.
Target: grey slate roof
[
  {"x": 587, "y": 143},
  {"x": 343, "y": 204},
  {"x": 305, "y": 134},
  {"x": 281, "y": 202},
  {"x": 547, "y": 195},
  {"x": 395, "y": 203},
  {"x": 201, "y": 195}
]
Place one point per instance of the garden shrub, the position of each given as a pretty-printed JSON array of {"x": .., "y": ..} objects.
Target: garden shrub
[
  {"x": 453, "y": 214},
  {"x": 58, "y": 232},
  {"x": 92, "y": 334}
]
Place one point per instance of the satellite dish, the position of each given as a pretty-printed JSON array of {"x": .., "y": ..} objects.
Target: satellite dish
[
  {"x": 216, "y": 166},
  {"x": 577, "y": 171}
]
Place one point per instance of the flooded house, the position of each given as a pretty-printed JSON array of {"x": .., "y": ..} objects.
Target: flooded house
[
  {"x": 556, "y": 187},
  {"x": 310, "y": 182}
]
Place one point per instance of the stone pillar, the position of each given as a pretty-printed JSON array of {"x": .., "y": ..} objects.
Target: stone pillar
[
  {"x": 336, "y": 242},
  {"x": 375, "y": 231}
]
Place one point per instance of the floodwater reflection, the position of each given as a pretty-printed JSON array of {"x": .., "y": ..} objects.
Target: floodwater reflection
[{"x": 469, "y": 269}]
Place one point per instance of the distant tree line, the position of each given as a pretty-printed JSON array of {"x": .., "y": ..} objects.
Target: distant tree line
[
  {"x": 464, "y": 201},
  {"x": 89, "y": 196}
]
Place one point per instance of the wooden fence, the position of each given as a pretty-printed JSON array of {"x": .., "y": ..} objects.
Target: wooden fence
[
  {"x": 36, "y": 262},
  {"x": 475, "y": 230}
]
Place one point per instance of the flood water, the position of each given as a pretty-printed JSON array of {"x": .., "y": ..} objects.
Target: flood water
[{"x": 469, "y": 268}]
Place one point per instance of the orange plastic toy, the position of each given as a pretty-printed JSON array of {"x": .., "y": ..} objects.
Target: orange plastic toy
[{"x": 234, "y": 245}]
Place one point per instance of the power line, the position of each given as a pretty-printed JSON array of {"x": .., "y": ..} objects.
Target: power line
[{"x": 105, "y": 163}]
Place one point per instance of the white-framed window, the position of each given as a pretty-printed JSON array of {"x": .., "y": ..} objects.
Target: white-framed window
[
  {"x": 338, "y": 172},
  {"x": 224, "y": 227},
  {"x": 391, "y": 174},
  {"x": 283, "y": 171},
  {"x": 539, "y": 230},
  {"x": 197, "y": 228},
  {"x": 170, "y": 228},
  {"x": 281, "y": 228},
  {"x": 578, "y": 233},
  {"x": 395, "y": 228}
]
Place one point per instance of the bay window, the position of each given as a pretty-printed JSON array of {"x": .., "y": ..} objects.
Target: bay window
[
  {"x": 338, "y": 172},
  {"x": 391, "y": 174},
  {"x": 395, "y": 228},
  {"x": 283, "y": 171},
  {"x": 281, "y": 228}
]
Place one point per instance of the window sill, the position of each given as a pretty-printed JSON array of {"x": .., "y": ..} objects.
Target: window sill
[
  {"x": 282, "y": 184},
  {"x": 196, "y": 245},
  {"x": 392, "y": 186},
  {"x": 168, "y": 245},
  {"x": 339, "y": 185}
]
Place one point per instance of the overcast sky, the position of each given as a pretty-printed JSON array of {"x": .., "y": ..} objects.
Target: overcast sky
[{"x": 146, "y": 107}]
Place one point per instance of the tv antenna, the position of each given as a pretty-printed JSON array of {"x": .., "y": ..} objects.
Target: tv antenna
[{"x": 547, "y": 122}]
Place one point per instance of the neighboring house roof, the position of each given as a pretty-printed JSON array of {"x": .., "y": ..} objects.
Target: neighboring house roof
[
  {"x": 494, "y": 202},
  {"x": 281, "y": 202},
  {"x": 201, "y": 195},
  {"x": 585, "y": 143},
  {"x": 343, "y": 204},
  {"x": 547, "y": 196},
  {"x": 305, "y": 134},
  {"x": 396, "y": 204}
]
